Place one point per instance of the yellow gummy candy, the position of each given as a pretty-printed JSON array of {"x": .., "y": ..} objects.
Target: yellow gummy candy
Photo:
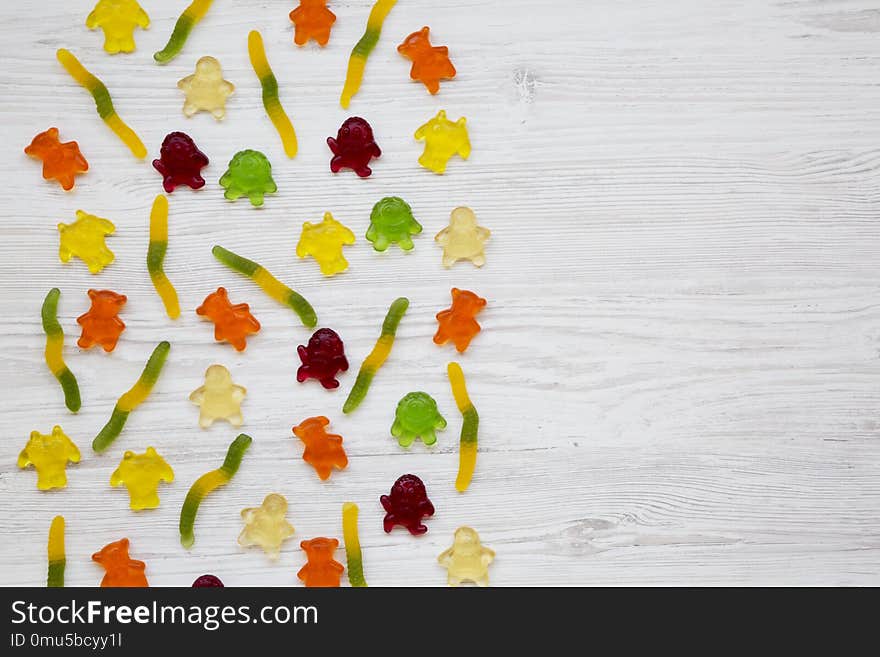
[
  {"x": 463, "y": 239},
  {"x": 219, "y": 398},
  {"x": 49, "y": 454},
  {"x": 118, "y": 19},
  {"x": 443, "y": 139},
  {"x": 206, "y": 89},
  {"x": 84, "y": 238},
  {"x": 324, "y": 242},
  {"x": 141, "y": 474},
  {"x": 266, "y": 525},
  {"x": 467, "y": 560}
]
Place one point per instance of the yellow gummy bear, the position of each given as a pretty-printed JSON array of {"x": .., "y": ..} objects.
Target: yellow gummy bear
[
  {"x": 84, "y": 238},
  {"x": 118, "y": 19},
  {"x": 266, "y": 525},
  {"x": 141, "y": 474},
  {"x": 49, "y": 454},
  {"x": 219, "y": 398},
  {"x": 467, "y": 560},
  {"x": 443, "y": 139},
  {"x": 206, "y": 89},
  {"x": 324, "y": 242},
  {"x": 463, "y": 239}
]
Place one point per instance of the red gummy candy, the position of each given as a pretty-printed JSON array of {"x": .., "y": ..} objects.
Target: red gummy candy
[
  {"x": 430, "y": 63},
  {"x": 406, "y": 505},
  {"x": 457, "y": 323},
  {"x": 353, "y": 147},
  {"x": 321, "y": 569},
  {"x": 121, "y": 569},
  {"x": 60, "y": 161},
  {"x": 100, "y": 325},
  {"x": 180, "y": 162},
  {"x": 322, "y": 359},
  {"x": 323, "y": 450},
  {"x": 231, "y": 323},
  {"x": 207, "y": 581}
]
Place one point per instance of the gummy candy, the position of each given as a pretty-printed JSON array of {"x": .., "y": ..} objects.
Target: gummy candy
[
  {"x": 121, "y": 569},
  {"x": 276, "y": 112},
  {"x": 219, "y": 398},
  {"x": 321, "y": 569},
  {"x": 443, "y": 139},
  {"x": 392, "y": 222},
  {"x": 55, "y": 549},
  {"x": 467, "y": 560},
  {"x": 49, "y": 454},
  {"x": 269, "y": 284},
  {"x": 407, "y": 504},
  {"x": 232, "y": 323},
  {"x": 118, "y": 18},
  {"x": 156, "y": 256},
  {"x": 100, "y": 325},
  {"x": 323, "y": 450},
  {"x": 357, "y": 62},
  {"x": 324, "y": 242},
  {"x": 266, "y": 525},
  {"x": 207, "y": 483},
  {"x": 353, "y": 147},
  {"x": 457, "y": 323},
  {"x": 180, "y": 162},
  {"x": 84, "y": 238},
  {"x": 430, "y": 63},
  {"x": 60, "y": 161},
  {"x": 249, "y": 174},
  {"x": 377, "y": 356},
  {"x": 191, "y": 15},
  {"x": 132, "y": 398},
  {"x": 467, "y": 451},
  {"x": 463, "y": 239},
  {"x": 313, "y": 21},
  {"x": 103, "y": 102},
  {"x": 417, "y": 416},
  {"x": 322, "y": 359},
  {"x": 206, "y": 89},
  {"x": 141, "y": 474},
  {"x": 54, "y": 351},
  {"x": 352, "y": 545},
  {"x": 207, "y": 581}
]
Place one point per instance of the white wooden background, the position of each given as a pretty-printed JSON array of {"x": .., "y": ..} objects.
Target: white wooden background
[{"x": 678, "y": 373}]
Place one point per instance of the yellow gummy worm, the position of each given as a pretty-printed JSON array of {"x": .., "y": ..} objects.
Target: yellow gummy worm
[
  {"x": 156, "y": 256},
  {"x": 185, "y": 23},
  {"x": 57, "y": 560},
  {"x": 362, "y": 49},
  {"x": 352, "y": 544},
  {"x": 467, "y": 454},
  {"x": 276, "y": 112}
]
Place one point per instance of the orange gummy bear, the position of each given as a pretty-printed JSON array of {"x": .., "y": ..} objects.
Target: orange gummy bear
[
  {"x": 430, "y": 63},
  {"x": 313, "y": 21},
  {"x": 320, "y": 569},
  {"x": 457, "y": 323},
  {"x": 121, "y": 569},
  {"x": 323, "y": 450},
  {"x": 100, "y": 325},
  {"x": 60, "y": 161},
  {"x": 231, "y": 323}
]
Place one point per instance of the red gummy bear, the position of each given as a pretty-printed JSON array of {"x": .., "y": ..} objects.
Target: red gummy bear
[
  {"x": 323, "y": 450},
  {"x": 60, "y": 161},
  {"x": 121, "y": 569},
  {"x": 180, "y": 162},
  {"x": 458, "y": 323},
  {"x": 430, "y": 63},
  {"x": 406, "y": 505},
  {"x": 313, "y": 21},
  {"x": 231, "y": 323},
  {"x": 353, "y": 147},
  {"x": 321, "y": 569},
  {"x": 322, "y": 358},
  {"x": 100, "y": 325}
]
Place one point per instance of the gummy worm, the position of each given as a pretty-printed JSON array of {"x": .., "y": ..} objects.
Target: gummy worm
[
  {"x": 133, "y": 398},
  {"x": 377, "y": 357},
  {"x": 362, "y": 49},
  {"x": 57, "y": 559},
  {"x": 103, "y": 102},
  {"x": 54, "y": 347},
  {"x": 184, "y": 25},
  {"x": 352, "y": 544},
  {"x": 156, "y": 256},
  {"x": 269, "y": 284},
  {"x": 207, "y": 483},
  {"x": 467, "y": 454},
  {"x": 276, "y": 112}
]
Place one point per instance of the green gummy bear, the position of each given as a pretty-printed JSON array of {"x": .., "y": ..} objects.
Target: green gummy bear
[
  {"x": 249, "y": 174},
  {"x": 392, "y": 222},
  {"x": 417, "y": 416}
]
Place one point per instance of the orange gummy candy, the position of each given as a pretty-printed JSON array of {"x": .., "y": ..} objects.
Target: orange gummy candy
[
  {"x": 231, "y": 323},
  {"x": 320, "y": 569},
  {"x": 100, "y": 325},
  {"x": 457, "y": 323},
  {"x": 430, "y": 63},
  {"x": 121, "y": 569},
  {"x": 313, "y": 21},
  {"x": 323, "y": 450},
  {"x": 60, "y": 161}
]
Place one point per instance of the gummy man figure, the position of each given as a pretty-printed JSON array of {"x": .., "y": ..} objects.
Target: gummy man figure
[
  {"x": 463, "y": 239},
  {"x": 100, "y": 325},
  {"x": 321, "y": 569},
  {"x": 118, "y": 18},
  {"x": 430, "y": 63},
  {"x": 249, "y": 174},
  {"x": 207, "y": 582},
  {"x": 266, "y": 525},
  {"x": 60, "y": 161},
  {"x": 180, "y": 162},
  {"x": 417, "y": 416},
  {"x": 467, "y": 560},
  {"x": 457, "y": 323},
  {"x": 407, "y": 504},
  {"x": 121, "y": 569},
  {"x": 219, "y": 398},
  {"x": 392, "y": 222},
  {"x": 313, "y": 21},
  {"x": 353, "y": 147},
  {"x": 84, "y": 238},
  {"x": 231, "y": 323},
  {"x": 324, "y": 242},
  {"x": 49, "y": 454},
  {"x": 322, "y": 358},
  {"x": 443, "y": 139},
  {"x": 323, "y": 450},
  {"x": 206, "y": 89},
  {"x": 141, "y": 474}
]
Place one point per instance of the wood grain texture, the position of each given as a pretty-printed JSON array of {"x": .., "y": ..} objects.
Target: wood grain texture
[{"x": 677, "y": 378}]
